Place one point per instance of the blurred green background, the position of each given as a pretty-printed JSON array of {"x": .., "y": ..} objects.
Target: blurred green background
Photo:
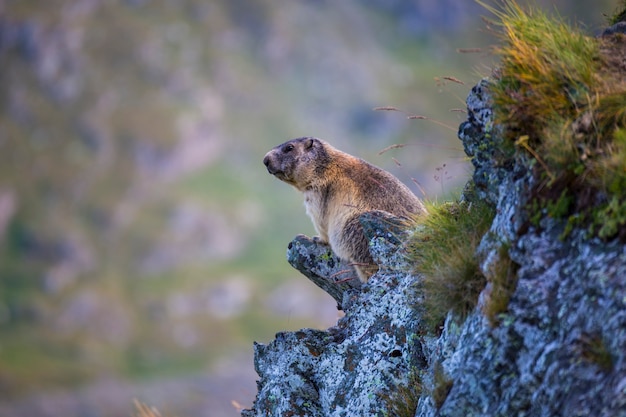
[{"x": 142, "y": 242}]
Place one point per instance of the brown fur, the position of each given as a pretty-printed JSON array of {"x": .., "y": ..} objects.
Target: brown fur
[{"x": 337, "y": 189}]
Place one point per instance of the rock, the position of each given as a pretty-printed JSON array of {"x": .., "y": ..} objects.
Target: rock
[
  {"x": 320, "y": 265},
  {"x": 353, "y": 367},
  {"x": 619, "y": 27},
  {"x": 559, "y": 349}
]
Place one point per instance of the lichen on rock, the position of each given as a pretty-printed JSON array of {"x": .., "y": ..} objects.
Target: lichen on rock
[{"x": 352, "y": 368}]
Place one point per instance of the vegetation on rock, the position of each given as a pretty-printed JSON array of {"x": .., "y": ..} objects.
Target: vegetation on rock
[
  {"x": 560, "y": 97},
  {"x": 559, "y": 105},
  {"x": 442, "y": 251}
]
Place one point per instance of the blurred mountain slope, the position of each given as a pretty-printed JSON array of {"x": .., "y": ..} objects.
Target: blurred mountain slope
[{"x": 139, "y": 233}]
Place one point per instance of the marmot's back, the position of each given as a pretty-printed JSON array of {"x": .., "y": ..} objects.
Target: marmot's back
[
  {"x": 338, "y": 188},
  {"x": 380, "y": 190}
]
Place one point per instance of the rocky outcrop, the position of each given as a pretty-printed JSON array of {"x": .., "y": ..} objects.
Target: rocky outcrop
[
  {"x": 354, "y": 367},
  {"x": 558, "y": 348}
]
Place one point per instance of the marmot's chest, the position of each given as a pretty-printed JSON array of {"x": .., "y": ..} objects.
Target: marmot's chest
[
  {"x": 329, "y": 211},
  {"x": 316, "y": 209}
]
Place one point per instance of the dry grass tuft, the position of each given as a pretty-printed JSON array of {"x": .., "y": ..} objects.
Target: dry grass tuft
[
  {"x": 560, "y": 97},
  {"x": 403, "y": 402},
  {"x": 143, "y": 410},
  {"x": 442, "y": 386},
  {"x": 442, "y": 250}
]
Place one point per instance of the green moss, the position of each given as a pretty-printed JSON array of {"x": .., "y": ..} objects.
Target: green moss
[
  {"x": 442, "y": 251},
  {"x": 609, "y": 220},
  {"x": 502, "y": 275},
  {"x": 562, "y": 205},
  {"x": 560, "y": 97},
  {"x": 326, "y": 256}
]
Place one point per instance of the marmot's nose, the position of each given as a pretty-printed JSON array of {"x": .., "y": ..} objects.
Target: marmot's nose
[{"x": 268, "y": 163}]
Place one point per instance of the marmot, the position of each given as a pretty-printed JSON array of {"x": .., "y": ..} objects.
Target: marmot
[{"x": 338, "y": 188}]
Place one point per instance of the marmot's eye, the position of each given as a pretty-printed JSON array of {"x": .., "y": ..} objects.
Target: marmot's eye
[{"x": 288, "y": 148}]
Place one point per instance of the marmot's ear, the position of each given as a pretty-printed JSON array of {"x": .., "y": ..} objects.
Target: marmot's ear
[{"x": 309, "y": 143}]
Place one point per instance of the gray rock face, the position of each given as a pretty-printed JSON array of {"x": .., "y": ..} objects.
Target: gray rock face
[
  {"x": 351, "y": 368},
  {"x": 559, "y": 349}
]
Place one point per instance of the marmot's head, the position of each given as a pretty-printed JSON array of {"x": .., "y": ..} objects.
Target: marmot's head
[{"x": 299, "y": 162}]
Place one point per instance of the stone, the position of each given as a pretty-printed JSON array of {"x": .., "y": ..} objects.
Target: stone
[{"x": 354, "y": 367}]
